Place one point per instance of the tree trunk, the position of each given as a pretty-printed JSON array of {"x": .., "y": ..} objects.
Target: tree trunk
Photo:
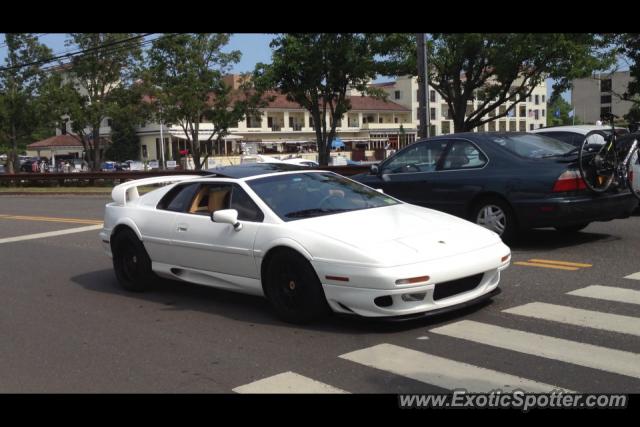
[
  {"x": 12, "y": 161},
  {"x": 97, "y": 163}
]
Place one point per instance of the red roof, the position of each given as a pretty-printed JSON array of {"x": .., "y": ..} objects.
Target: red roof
[
  {"x": 57, "y": 141},
  {"x": 358, "y": 103}
]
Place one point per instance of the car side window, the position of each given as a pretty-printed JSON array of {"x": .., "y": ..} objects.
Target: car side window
[
  {"x": 246, "y": 207},
  {"x": 178, "y": 197},
  {"x": 210, "y": 198},
  {"x": 463, "y": 155},
  {"x": 421, "y": 157}
]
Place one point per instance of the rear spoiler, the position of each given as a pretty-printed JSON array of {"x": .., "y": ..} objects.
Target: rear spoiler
[{"x": 128, "y": 192}]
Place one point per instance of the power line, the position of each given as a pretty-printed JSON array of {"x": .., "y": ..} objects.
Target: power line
[
  {"x": 37, "y": 36},
  {"x": 110, "y": 50},
  {"x": 77, "y": 53}
]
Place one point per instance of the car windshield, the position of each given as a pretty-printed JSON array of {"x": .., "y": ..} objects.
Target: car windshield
[
  {"x": 307, "y": 195},
  {"x": 532, "y": 146}
]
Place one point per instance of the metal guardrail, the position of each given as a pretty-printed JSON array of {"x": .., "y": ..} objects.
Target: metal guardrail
[{"x": 90, "y": 178}]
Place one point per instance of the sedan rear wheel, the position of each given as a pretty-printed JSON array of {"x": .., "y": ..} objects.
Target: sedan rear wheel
[
  {"x": 496, "y": 216},
  {"x": 293, "y": 288}
]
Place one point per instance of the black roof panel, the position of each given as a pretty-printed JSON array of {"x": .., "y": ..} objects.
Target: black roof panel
[{"x": 253, "y": 169}]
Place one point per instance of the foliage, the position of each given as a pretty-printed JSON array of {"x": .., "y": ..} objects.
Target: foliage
[
  {"x": 20, "y": 117},
  {"x": 316, "y": 70},
  {"x": 496, "y": 69},
  {"x": 184, "y": 77}
]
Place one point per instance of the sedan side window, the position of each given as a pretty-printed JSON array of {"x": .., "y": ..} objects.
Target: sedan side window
[
  {"x": 422, "y": 157},
  {"x": 246, "y": 207},
  {"x": 464, "y": 155}
]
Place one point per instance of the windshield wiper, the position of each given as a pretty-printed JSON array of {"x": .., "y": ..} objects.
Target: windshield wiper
[{"x": 306, "y": 213}]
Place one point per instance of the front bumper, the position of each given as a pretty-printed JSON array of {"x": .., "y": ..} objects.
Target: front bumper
[
  {"x": 361, "y": 301},
  {"x": 573, "y": 210}
]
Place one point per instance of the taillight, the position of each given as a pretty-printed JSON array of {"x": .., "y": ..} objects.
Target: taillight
[{"x": 570, "y": 180}]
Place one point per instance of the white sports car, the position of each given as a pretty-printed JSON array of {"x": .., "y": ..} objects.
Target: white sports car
[{"x": 310, "y": 241}]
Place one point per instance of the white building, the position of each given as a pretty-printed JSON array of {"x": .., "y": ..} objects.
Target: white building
[{"x": 526, "y": 116}]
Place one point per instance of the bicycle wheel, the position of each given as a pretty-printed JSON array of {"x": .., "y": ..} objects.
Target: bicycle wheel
[
  {"x": 633, "y": 173},
  {"x": 597, "y": 162}
]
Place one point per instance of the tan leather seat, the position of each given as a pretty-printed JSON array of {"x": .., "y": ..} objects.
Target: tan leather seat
[
  {"x": 197, "y": 200},
  {"x": 218, "y": 199}
]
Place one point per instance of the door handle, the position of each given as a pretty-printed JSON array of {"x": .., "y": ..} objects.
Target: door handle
[{"x": 182, "y": 227}]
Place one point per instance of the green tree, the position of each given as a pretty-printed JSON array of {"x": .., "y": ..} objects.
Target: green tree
[
  {"x": 20, "y": 80},
  {"x": 558, "y": 111},
  {"x": 96, "y": 85},
  {"x": 316, "y": 70},
  {"x": 184, "y": 77},
  {"x": 496, "y": 69}
]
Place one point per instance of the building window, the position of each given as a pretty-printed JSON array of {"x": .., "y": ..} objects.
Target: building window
[
  {"x": 446, "y": 127},
  {"x": 512, "y": 126},
  {"x": 492, "y": 126},
  {"x": 543, "y": 113},
  {"x": 523, "y": 126},
  {"x": 605, "y": 85},
  {"x": 605, "y": 111},
  {"x": 531, "y": 126},
  {"x": 432, "y": 95},
  {"x": 433, "y": 113},
  {"x": 254, "y": 121},
  {"x": 605, "y": 99},
  {"x": 397, "y": 94},
  {"x": 542, "y": 98},
  {"x": 503, "y": 109},
  {"x": 145, "y": 153},
  {"x": 502, "y": 126},
  {"x": 523, "y": 111},
  {"x": 537, "y": 99},
  {"x": 444, "y": 112},
  {"x": 432, "y": 130},
  {"x": 536, "y": 114}
]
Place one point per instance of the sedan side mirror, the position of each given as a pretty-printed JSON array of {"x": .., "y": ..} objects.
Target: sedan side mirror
[
  {"x": 228, "y": 216},
  {"x": 375, "y": 170}
]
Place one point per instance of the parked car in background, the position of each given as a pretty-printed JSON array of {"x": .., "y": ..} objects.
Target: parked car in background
[
  {"x": 576, "y": 134},
  {"x": 310, "y": 241},
  {"x": 506, "y": 182}
]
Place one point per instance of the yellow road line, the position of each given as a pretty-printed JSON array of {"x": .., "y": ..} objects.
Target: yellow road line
[
  {"x": 559, "y": 267},
  {"x": 568, "y": 264},
  {"x": 51, "y": 219}
]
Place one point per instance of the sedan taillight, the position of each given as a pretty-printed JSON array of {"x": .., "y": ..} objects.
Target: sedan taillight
[{"x": 570, "y": 180}]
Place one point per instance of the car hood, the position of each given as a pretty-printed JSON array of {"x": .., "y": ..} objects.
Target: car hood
[{"x": 401, "y": 234}]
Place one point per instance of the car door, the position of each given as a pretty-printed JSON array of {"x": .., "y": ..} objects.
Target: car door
[
  {"x": 157, "y": 224},
  {"x": 460, "y": 176},
  {"x": 205, "y": 245},
  {"x": 408, "y": 174}
]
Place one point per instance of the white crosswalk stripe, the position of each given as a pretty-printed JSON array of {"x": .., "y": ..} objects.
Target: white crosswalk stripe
[
  {"x": 588, "y": 355},
  {"x": 441, "y": 372},
  {"x": 576, "y": 316},
  {"x": 608, "y": 293},
  {"x": 287, "y": 382},
  {"x": 634, "y": 276}
]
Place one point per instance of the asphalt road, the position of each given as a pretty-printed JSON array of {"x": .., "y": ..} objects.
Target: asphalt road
[{"x": 66, "y": 326}]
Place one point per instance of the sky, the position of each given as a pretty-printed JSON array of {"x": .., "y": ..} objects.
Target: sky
[{"x": 254, "y": 47}]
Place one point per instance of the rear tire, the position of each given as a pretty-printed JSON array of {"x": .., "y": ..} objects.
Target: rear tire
[
  {"x": 497, "y": 216},
  {"x": 597, "y": 168},
  {"x": 131, "y": 262},
  {"x": 293, "y": 288}
]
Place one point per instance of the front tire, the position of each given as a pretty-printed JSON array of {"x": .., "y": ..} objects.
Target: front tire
[
  {"x": 293, "y": 288},
  {"x": 131, "y": 262}
]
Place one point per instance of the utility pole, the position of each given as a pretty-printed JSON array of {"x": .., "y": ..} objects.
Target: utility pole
[{"x": 423, "y": 88}]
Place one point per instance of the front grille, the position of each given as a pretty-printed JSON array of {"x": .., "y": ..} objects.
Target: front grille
[{"x": 454, "y": 287}]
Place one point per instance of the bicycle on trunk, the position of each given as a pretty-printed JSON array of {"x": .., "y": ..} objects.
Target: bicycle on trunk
[{"x": 613, "y": 160}]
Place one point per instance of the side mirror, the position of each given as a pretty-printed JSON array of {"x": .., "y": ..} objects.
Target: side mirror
[
  {"x": 227, "y": 216},
  {"x": 375, "y": 170}
]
